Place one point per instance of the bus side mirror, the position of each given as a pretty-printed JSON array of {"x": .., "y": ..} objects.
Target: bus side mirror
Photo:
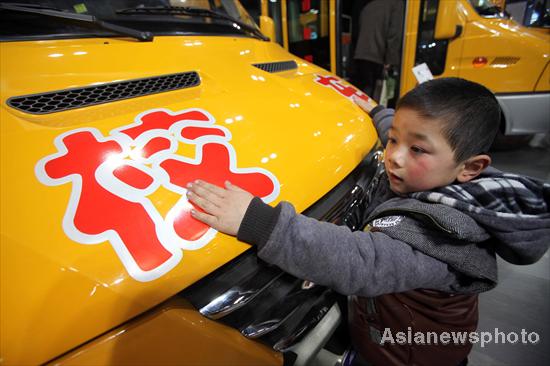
[
  {"x": 267, "y": 26},
  {"x": 447, "y": 24}
]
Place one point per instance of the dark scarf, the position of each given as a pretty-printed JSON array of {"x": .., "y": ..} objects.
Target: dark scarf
[{"x": 512, "y": 208}]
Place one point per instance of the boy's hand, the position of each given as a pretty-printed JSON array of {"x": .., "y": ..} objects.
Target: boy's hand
[
  {"x": 367, "y": 106},
  {"x": 224, "y": 208}
]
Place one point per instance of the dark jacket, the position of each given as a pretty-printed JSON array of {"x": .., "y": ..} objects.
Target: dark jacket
[
  {"x": 380, "y": 32},
  {"x": 421, "y": 260}
]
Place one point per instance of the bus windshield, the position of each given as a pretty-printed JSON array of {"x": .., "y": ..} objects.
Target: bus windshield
[
  {"x": 487, "y": 9},
  {"x": 537, "y": 14},
  {"x": 142, "y": 19}
]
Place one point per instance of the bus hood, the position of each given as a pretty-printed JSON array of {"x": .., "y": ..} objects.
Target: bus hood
[{"x": 93, "y": 223}]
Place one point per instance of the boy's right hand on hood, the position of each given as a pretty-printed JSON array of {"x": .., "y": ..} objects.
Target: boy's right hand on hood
[{"x": 224, "y": 207}]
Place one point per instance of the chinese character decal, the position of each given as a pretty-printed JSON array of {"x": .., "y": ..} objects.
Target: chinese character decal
[
  {"x": 112, "y": 177},
  {"x": 335, "y": 83}
]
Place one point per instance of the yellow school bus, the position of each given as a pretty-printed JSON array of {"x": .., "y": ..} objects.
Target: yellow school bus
[
  {"x": 108, "y": 109},
  {"x": 472, "y": 39}
]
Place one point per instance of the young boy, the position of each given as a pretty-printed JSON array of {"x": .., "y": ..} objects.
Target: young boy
[{"x": 433, "y": 227}]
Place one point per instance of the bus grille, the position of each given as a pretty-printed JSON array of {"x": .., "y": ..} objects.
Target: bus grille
[{"x": 265, "y": 303}]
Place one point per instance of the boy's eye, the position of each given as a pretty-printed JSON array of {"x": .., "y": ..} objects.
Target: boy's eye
[
  {"x": 391, "y": 140},
  {"x": 417, "y": 150}
]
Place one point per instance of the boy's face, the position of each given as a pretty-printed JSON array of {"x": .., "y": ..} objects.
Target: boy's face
[{"x": 418, "y": 157}]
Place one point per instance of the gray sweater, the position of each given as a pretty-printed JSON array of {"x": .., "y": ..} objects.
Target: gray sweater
[
  {"x": 359, "y": 263},
  {"x": 410, "y": 242}
]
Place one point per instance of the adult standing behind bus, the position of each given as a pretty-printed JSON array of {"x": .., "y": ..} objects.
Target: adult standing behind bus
[{"x": 379, "y": 43}]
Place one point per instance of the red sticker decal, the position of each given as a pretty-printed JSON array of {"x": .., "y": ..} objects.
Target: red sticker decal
[
  {"x": 112, "y": 177},
  {"x": 340, "y": 86}
]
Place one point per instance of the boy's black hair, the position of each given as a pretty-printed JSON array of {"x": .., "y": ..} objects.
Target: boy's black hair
[{"x": 470, "y": 113}]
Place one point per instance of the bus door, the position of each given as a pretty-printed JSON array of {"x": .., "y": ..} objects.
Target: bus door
[
  {"x": 442, "y": 55},
  {"x": 308, "y": 29}
]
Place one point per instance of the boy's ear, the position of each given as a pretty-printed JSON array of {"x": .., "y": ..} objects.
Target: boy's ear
[{"x": 472, "y": 167}]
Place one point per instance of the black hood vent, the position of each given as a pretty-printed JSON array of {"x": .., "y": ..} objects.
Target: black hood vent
[
  {"x": 73, "y": 98},
  {"x": 277, "y": 66}
]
